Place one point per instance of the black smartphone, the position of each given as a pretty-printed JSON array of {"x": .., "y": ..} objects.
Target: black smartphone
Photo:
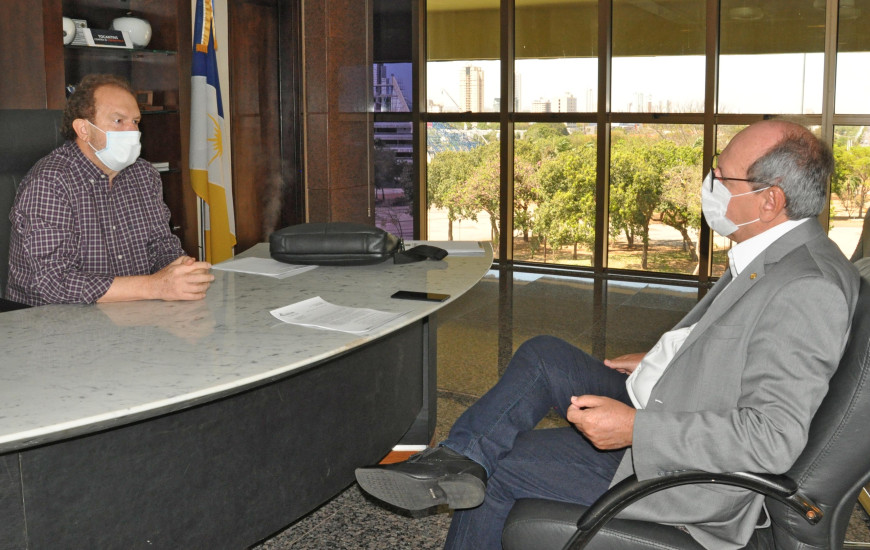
[{"x": 425, "y": 296}]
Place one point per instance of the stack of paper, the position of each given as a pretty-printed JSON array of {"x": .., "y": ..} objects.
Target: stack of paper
[
  {"x": 263, "y": 266},
  {"x": 317, "y": 312}
]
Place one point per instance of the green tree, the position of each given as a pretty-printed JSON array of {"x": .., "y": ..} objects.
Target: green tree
[
  {"x": 681, "y": 203},
  {"x": 448, "y": 173},
  {"x": 481, "y": 191},
  {"x": 635, "y": 189},
  {"x": 537, "y": 144},
  {"x": 649, "y": 175},
  {"x": 566, "y": 212},
  {"x": 851, "y": 181}
]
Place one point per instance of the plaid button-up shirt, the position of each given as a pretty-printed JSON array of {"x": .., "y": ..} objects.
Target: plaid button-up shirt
[{"x": 72, "y": 234}]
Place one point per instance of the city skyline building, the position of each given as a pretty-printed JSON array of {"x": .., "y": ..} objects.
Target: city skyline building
[
  {"x": 566, "y": 103},
  {"x": 389, "y": 97},
  {"x": 388, "y": 94},
  {"x": 542, "y": 105},
  {"x": 471, "y": 88}
]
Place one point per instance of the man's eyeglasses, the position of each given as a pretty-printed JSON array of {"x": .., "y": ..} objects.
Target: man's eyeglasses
[{"x": 714, "y": 165}]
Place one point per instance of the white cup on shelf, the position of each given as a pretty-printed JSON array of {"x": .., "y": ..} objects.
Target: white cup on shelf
[
  {"x": 138, "y": 29},
  {"x": 69, "y": 31}
]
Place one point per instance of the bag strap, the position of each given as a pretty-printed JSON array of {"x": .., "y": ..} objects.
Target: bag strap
[{"x": 419, "y": 253}]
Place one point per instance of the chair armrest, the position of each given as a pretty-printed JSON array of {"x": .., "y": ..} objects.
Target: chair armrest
[{"x": 629, "y": 490}]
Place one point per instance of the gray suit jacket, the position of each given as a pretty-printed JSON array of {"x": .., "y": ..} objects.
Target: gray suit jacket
[{"x": 741, "y": 391}]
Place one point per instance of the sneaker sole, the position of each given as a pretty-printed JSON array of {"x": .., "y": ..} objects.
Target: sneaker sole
[{"x": 404, "y": 491}]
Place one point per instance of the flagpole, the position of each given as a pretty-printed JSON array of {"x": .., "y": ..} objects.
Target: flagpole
[{"x": 201, "y": 232}]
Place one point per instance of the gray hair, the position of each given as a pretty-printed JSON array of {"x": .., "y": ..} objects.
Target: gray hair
[{"x": 801, "y": 165}]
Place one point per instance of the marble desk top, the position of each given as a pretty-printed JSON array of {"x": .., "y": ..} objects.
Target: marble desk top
[{"x": 67, "y": 370}]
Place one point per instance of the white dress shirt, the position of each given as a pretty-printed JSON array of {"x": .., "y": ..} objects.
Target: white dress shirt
[{"x": 640, "y": 383}]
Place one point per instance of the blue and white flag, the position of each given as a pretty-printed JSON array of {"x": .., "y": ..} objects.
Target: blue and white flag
[{"x": 210, "y": 173}]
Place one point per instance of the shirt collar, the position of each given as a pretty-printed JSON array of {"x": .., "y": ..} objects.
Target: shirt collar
[
  {"x": 742, "y": 253},
  {"x": 95, "y": 175}
]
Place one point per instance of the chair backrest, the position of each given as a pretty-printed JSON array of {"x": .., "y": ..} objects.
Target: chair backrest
[
  {"x": 25, "y": 137},
  {"x": 836, "y": 461}
]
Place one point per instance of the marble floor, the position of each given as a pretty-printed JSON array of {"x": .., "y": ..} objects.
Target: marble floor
[{"x": 476, "y": 336}]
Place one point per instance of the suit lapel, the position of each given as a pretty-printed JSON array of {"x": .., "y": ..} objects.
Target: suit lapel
[
  {"x": 728, "y": 291},
  {"x": 701, "y": 307}
]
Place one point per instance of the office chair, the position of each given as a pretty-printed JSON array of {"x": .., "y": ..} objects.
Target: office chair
[
  {"x": 25, "y": 137},
  {"x": 809, "y": 506}
]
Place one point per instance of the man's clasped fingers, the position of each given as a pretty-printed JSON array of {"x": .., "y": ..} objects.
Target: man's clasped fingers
[{"x": 606, "y": 423}]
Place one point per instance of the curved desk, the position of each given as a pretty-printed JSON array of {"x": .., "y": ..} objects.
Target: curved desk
[{"x": 209, "y": 424}]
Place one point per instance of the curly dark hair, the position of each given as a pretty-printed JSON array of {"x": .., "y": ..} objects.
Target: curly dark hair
[{"x": 81, "y": 103}]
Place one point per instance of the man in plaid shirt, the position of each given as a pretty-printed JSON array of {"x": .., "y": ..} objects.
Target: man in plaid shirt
[{"x": 89, "y": 223}]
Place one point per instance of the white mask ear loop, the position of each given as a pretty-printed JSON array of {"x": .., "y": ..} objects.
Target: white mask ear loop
[
  {"x": 89, "y": 135},
  {"x": 750, "y": 193}
]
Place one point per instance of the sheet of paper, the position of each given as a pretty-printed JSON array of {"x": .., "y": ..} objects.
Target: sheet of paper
[
  {"x": 317, "y": 312},
  {"x": 453, "y": 248},
  {"x": 263, "y": 266}
]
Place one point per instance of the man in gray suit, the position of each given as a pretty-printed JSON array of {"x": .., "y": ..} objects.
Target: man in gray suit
[{"x": 733, "y": 387}]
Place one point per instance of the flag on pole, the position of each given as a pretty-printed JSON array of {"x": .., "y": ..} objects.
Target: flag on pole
[{"x": 209, "y": 165}]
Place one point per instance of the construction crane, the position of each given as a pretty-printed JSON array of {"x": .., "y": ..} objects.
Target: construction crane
[{"x": 450, "y": 97}]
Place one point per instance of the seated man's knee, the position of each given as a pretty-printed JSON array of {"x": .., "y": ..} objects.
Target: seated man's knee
[
  {"x": 541, "y": 344},
  {"x": 543, "y": 348}
]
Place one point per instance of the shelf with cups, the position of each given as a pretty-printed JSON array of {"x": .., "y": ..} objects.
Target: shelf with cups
[
  {"x": 154, "y": 58},
  {"x": 94, "y": 25}
]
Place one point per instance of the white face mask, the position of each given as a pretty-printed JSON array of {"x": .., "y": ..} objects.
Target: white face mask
[
  {"x": 122, "y": 149},
  {"x": 714, "y": 203}
]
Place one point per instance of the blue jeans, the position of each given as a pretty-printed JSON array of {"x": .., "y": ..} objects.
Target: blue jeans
[{"x": 557, "y": 464}]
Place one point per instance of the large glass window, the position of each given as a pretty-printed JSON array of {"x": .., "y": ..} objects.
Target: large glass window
[
  {"x": 655, "y": 205},
  {"x": 850, "y": 189},
  {"x": 464, "y": 182},
  {"x": 618, "y": 189},
  {"x": 658, "y": 57},
  {"x": 556, "y": 71},
  {"x": 392, "y": 152},
  {"x": 462, "y": 69},
  {"x": 469, "y": 86},
  {"x": 771, "y": 57},
  {"x": 463, "y": 75},
  {"x": 554, "y": 193},
  {"x": 853, "y": 56}
]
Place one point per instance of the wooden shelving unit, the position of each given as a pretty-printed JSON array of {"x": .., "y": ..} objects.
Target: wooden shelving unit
[{"x": 162, "y": 68}]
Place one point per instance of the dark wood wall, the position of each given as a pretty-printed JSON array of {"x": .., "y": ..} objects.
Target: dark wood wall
[
  {"x": 30, "y": 62},
  {"x": 337, "y": 110},
  {"x": 264, "y": 109}
]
